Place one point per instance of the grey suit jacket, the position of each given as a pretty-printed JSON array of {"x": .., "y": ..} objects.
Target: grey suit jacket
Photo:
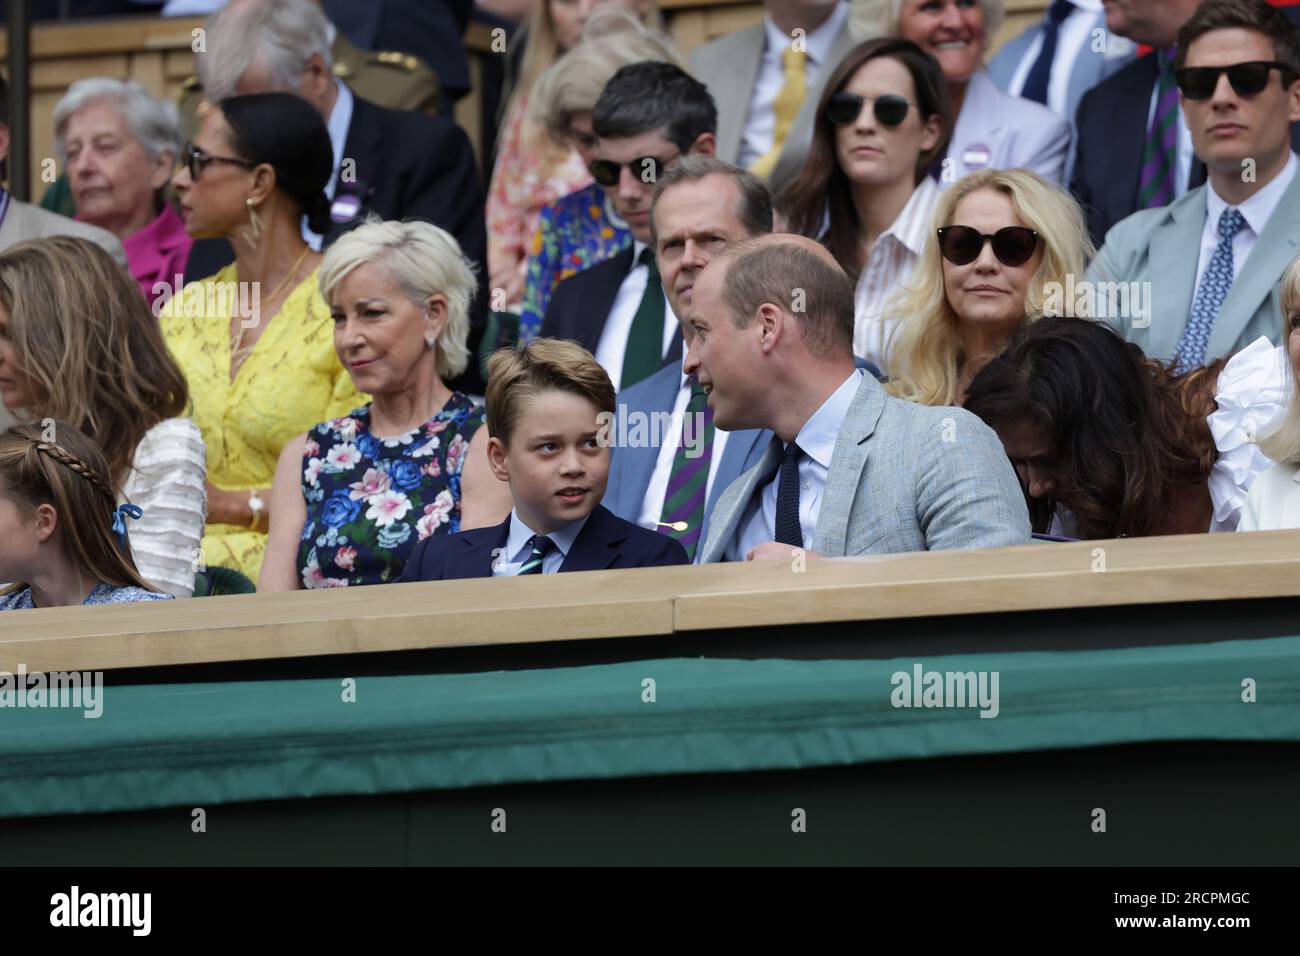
[
  {"x": 729, "y": 66},
  {"x": 903, "y": 477},
  {"x": 24, "y": 221},
  {"x": 1162, "y": 246}
]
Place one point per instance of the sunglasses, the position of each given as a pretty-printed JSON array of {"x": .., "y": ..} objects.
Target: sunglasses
[
  {"x": 1247, "y": 79},
  {"x": 197, "y": 161},
  {"x": 648, "y": 169},
  {"x": 962, "y": 245},
  {"x": 844, "y": 108}
]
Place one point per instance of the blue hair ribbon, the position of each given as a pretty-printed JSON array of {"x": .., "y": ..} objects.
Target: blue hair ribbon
[{"x": 119, "y": 526}]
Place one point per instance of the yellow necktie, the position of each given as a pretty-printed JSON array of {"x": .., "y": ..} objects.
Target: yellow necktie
[{"x": 785, "y": 108}]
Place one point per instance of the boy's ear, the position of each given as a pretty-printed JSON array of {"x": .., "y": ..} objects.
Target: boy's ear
[
  {"x": 497, "y": 459},
  {"x": 47, "y": 522}
]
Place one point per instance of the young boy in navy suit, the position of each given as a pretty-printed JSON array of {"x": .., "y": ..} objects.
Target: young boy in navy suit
[{"x": 543, "y": 412}]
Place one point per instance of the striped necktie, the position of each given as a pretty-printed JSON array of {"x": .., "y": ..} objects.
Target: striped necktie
[
  {"x": 1160, "y": 158},
  {"x": 784, "y": 108},
  {"x": 541, "y": 546},
  {"x": 688, "y": 482},
  {"x": 644, "y": 354},
  {"x": 1210, "y": 294}
]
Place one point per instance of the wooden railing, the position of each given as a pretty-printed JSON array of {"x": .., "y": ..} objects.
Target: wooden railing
[{"x": 655, "y": 602}]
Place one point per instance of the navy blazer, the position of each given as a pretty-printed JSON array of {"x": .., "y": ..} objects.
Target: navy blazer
[
  {"x": 605, "y": 541},
  {"x": 580, "y": 305},
  {"x": 631, "y": 468},
  {"x": 1112, "y": 135}
]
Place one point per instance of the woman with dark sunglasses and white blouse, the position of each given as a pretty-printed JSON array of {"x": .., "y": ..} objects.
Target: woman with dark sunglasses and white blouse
[{"x": 883, "y": 119}]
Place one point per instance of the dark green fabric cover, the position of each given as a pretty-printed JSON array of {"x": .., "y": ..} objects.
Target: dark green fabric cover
[{"x": 201, "y": 744}]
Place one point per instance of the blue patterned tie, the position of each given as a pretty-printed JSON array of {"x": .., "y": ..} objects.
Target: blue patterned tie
[
  {"x": 1040, "y": 74},
  {"x": 1209, "y": 294},
  {"x": 541, "y": 547},
  {"x": 788, "y": 529}
]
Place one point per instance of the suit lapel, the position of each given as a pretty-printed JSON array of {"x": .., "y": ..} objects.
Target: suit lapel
[
  {"x": 732, "y": 97},
  {"x": 363, "y": 144},
  {"x": 724, "y": 522},
  {"x": 795, "y": 149},
  {"x": 743, "y": 449},
  {"x": 1274, "y": 250},
  {"x": 637, "y": 462},
  {"x": 1128, "y": 123},
  {"x": 594, "y": 548},
  {"x": 476, "y": 551},
  {"x": 604, "y": 282},
  {"x": 848, "y": 462},
  {"x": 1175, "y": 247}
]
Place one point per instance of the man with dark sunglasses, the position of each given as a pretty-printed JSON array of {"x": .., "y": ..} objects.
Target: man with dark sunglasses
[
  {"x": 649, "y": 115},
  {"x": 1133, "y": 149},
  {"x": 1213, "y": 258}
]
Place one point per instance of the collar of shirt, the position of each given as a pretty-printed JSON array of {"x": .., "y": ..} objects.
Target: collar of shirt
[
  {"x": 912, "y": 226},
  {"x": 1258, "y": 208},
  {"x": 340, "y": 120},
  {"x": 638, "y": 247},
  {"x": 817, "y": 44},
  {"x": 519, "y": 534},
  {"x": 818, "y": 436}
]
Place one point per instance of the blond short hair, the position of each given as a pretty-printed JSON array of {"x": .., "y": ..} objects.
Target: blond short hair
[
  {"x": 516, "y": 376},
  {"x": 869, "y": 19},
  {"x": 424, "y": 260},
  {"x": 926, "y": 355},
  {"x": 1282, "y": 441}
]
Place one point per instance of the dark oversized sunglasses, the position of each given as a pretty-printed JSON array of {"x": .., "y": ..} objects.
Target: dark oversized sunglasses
[
  {"x": 1248, "y": 79},
  {"x": 962, "y": 245},
  {"x": 197, "y": 161},
  {"x": 648, "y": 169},
  {"x": 844, "y": 108}
]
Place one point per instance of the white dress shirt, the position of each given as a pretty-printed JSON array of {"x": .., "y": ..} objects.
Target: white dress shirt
[
  {"x": 817, "y": 438},
  {"x": 1072, "y": 38},
  {"x": 760, "y": 121},
  {"x": 518, "y": 549},
  {"x": 652, "y": 506},
  {"x": 1256, "y": 211},
  {"x": 339, "y": 122},
  {"x": 613, "y": 338},
  {"x": 893, "y": 257}
]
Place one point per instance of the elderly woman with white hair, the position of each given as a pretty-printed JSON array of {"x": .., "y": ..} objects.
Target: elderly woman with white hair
[
  {"x": 994, "y": 130},
  {"x": 119, "y": 146},
  {"x": 352, "y": 497}
]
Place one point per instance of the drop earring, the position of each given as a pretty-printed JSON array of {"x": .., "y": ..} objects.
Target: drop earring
[
  {"x": 430, "y": 339},
  {"x": 255, "y": 224}
]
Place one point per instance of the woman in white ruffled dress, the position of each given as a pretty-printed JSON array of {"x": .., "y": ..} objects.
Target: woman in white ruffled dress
[{"x": 1109, "y": 443}]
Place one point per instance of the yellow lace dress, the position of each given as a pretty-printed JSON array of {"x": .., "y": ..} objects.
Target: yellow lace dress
[{"x": 290, "y": 381}]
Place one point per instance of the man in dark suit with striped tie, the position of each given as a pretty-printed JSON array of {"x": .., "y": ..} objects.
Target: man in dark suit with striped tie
[{"x": 648, "y": 115}]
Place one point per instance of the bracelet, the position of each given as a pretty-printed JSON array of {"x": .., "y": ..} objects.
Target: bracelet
[{"x": 256, "y": 505}]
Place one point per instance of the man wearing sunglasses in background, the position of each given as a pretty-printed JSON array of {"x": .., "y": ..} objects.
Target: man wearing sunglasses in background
[
  {"x": 648, "y": 115},
  {"x": 1133, "y": 149},
  {"x": 1214, "y": 257}
]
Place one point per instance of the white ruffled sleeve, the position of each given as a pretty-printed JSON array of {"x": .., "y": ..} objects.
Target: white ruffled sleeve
[
  {"x": 1252, "y": 391},
  {"x": 168, "y": 481}
]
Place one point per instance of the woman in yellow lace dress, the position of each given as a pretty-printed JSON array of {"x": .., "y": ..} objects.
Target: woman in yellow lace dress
[{"x": 255, "y": 340}]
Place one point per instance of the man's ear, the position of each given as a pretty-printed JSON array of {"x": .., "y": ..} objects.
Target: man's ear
[
  {"x": 497, "y": 459},
  {"x": 706, "y": 144},
  {"x": 771, "y": 326}
]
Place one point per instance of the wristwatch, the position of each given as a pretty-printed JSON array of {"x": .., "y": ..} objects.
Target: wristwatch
[{"x": 256, "y": 505}]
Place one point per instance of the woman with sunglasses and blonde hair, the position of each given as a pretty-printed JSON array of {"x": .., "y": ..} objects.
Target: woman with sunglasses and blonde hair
[
  {"x": 1002, "y": 242},
  {"x": 883, "y": 118}
]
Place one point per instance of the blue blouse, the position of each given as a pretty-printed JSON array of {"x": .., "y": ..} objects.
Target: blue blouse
[{"x": 102, "y": 594}]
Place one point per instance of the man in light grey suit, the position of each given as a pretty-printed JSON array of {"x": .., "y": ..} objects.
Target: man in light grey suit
[
  {"x": 700, "y": 205},
  {"x": 749, "y": 74},
  {"x": 851, "y": 470},
  {"x": 20, "y": 220},
  {"x": 1213, "y": 258}
]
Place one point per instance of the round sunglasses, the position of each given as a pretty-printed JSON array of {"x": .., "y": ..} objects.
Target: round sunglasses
[
  {"x": 648, "y": 169},
  {"x": 844, "y": 108},
  {"x": 1247, "y": 79},
  {"x": 962, "y": 245}
]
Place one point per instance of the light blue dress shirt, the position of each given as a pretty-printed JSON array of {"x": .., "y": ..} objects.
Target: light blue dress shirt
[
  {"x": 817, "y": 439},
  {"x": 518, "y": 549}
]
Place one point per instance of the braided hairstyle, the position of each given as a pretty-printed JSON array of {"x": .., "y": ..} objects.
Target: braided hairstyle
[{"x": 70, "y": 473}]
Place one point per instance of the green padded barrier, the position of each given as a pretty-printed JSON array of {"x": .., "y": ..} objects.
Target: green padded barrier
[{"x": 193, "y": 744}]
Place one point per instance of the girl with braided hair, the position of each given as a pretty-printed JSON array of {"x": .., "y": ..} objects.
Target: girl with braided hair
[{"x": 64, "y": 532}]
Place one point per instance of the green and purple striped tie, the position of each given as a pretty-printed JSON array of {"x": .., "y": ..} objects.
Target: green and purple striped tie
[
  {"x": 1157, "y": 185},
  {"x": 688, "y": 482}
]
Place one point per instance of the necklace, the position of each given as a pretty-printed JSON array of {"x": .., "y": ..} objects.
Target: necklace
[{"x": 238, "y": 351}]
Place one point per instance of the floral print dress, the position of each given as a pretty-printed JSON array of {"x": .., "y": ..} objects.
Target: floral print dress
[{"x": 371, "y": 500}]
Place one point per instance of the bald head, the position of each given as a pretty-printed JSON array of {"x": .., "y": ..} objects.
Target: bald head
[{"x": 788, "y": 239}]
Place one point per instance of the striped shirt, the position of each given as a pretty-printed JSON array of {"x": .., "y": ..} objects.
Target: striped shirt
[{"x": 893, "y": 256}]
